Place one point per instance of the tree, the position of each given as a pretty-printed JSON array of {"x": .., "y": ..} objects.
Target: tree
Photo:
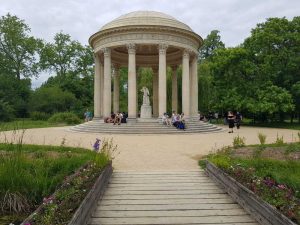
[
  {"x": 234, "y": 78},
  {"x": 296, "y": 95},
  {"x": 273, "y": 100},
  {"x": 275, "y": 46},
  {"x": 66, "y": 56},
  {"x": 16, "y": 94},
  {"x": 51, "y": 100},
  {"x": 211, "y": 43},
  {"x": 18, "y": 50}
]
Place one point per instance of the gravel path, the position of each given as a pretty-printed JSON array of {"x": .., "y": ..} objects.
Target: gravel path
[{"x": 152, "y": 152}]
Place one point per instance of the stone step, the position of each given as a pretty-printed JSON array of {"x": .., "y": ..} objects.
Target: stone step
[{"x": 144, "y": 128}]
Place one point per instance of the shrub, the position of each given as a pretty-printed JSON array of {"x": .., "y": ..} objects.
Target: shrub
[
  {"x": 239, "y": 141},
  {"x": 65, "y": 117},
  {"x": 262, "y": 138},
  {"x": 279, "y": 140},
  {"x": 39, "y": 115},
  {"x": 6, "y": 111}
]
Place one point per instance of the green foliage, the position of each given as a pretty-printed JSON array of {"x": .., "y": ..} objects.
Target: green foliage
[
  {"x": 35, "y": 115},
  {"x": 262, "y": 138},
  {"x": 239, "y": 141},
  {"x": 274, "y": 99},
  {"x": 52, "y": 99},
  {"x": 211, "y": 43},
  {"x": 292, "y": 147},
  {"x": 18, "y": 50},
  {"x": 267, "y": 178},
  {"x": 33, "y": 172},
  {"x": 6, "y": 111},
  {"x": 15, "y": 93},
  {"x": 279, "y": 140},
  {"x": 64, "y": 117},
  {"x": 76, "y": 58}
]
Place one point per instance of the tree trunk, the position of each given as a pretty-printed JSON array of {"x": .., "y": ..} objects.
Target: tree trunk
[{"x": 292, "y": 117}]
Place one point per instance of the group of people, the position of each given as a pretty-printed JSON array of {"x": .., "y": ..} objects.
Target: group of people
[
  {"x": 177, "y": 120},
  {"x": 116, "y": 118}
]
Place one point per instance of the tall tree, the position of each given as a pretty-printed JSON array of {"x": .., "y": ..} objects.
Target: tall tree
[
  {"x": 211, "y": 43},
  {"x": 65, "y": 56},
  {"x": 275, "y": 45},
  {"x": 18, "y": 50}
]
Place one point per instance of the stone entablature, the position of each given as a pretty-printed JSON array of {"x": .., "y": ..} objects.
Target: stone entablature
[{"x": 154, "y": 35}]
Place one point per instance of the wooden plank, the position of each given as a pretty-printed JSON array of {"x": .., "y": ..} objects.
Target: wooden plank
[
  {"x": 168, "y": 207},
  {"x": 142, "y": 179},
  {"x": 173, "y": 220},
  {"x": 149, "y": 188},
  {"x": 165, "y": 192},
  {"x": 156, "y": 197},
  {"x": 158, "y": 172},
  {"x": 174, "y": 213},
  {"x": 183, "y": 185},
  {"x": 159, "y": 176},
  {"x": 164, "y": 201},
  {"x": 164, "y": 181}
]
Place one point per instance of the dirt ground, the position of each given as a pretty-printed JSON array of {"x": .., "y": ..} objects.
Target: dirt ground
[{"x": 159, "y": 152}]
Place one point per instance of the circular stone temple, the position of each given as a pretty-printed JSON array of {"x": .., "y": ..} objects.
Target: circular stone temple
[{"x": 145, "y": 39}]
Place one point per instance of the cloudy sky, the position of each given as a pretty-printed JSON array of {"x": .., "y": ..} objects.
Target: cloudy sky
[{"x": 81, "y": 18}]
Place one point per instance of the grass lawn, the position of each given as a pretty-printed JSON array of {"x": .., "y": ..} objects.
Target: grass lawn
[
  {"x": 29, "y": 173},
  {"x": 270, "y": 171},
  {"x": 28, "y": 123}
]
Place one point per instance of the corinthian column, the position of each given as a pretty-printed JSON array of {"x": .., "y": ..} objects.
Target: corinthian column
[
  {"x": 155, "y": 92},
  {"x": 162, "y": 80},
  {"x": 116, "y": 89},
  {"x": 107, "y": 83},
  {"x": 174, "y": 90},
  {"x": 97, "y": 88},
  {"x": 185, "y": 83},
  {"x": 131, "y": 82},
  {"x": 194, "y": 87},
  {"x": 101, "y": 87}
]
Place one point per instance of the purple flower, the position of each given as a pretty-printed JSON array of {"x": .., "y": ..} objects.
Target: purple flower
[{"x": 96, "y": 145}]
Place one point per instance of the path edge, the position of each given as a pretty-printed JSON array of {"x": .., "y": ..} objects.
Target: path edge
[
  {"x": 89, "y": 203},
  {"x": 261, "y": 211}
]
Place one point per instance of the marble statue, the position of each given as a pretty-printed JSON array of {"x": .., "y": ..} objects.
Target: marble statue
[{"x": 146, "y": 100}]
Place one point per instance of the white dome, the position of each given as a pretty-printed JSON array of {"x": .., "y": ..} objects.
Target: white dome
[{"x": 146, "y": 18}]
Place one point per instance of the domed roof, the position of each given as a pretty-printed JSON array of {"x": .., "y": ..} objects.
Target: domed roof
[{"x": 146, "y": 18}]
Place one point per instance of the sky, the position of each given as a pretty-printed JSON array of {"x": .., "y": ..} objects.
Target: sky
[{"x": 82, "y": 18}]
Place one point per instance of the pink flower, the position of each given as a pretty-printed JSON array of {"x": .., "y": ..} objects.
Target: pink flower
[{"x": 281, "y": 186}]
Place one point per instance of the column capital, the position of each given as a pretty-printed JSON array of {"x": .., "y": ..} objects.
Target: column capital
[
  {"x": 106, "y": 51},
  {"x": 162, "y": 48},
  {"x": 131, "y": 48},
  {"x": 186, "y": 53}
]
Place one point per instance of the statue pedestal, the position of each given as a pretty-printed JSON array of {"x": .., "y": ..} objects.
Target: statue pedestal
[{"x": 146, "y": 112}]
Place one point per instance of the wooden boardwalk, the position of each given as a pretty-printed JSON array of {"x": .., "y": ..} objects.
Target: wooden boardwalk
[{"x": 167, "y": 198}]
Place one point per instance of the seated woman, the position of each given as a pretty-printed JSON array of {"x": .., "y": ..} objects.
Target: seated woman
[
  {"x": 181, "y": 124},
  {"x": 165, "y": 119},
  {"x": 175, "y": 120}
]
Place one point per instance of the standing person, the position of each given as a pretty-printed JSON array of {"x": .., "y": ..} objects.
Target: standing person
[
  {"x": 238, "y": 119},
  {"x": 86, "y": 115},
  {"x": 230, "y": 119}
]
